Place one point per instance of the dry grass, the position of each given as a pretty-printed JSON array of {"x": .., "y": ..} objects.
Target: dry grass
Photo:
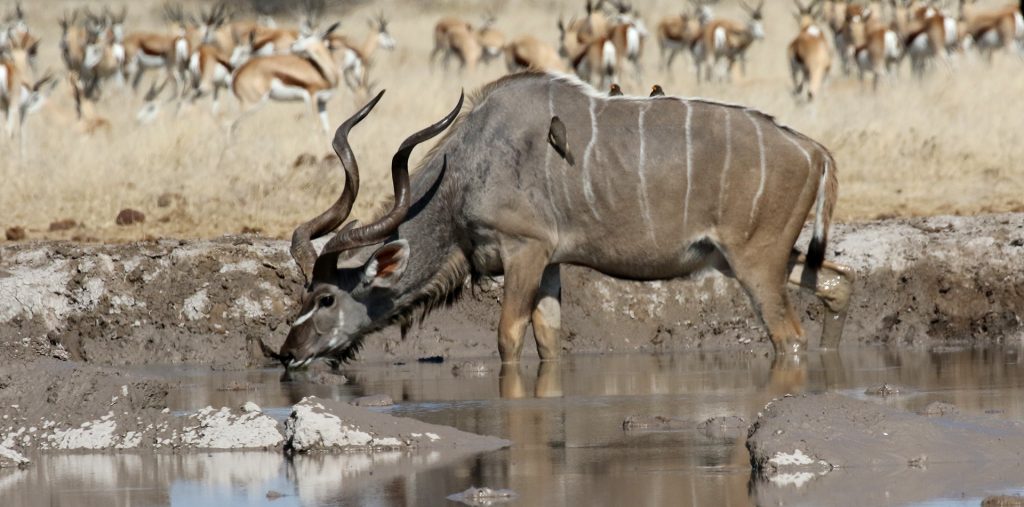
[{"x": 948, "y": 145}]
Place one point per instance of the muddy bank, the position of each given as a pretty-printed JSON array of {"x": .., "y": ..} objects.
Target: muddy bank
[
  {"x": 931, "y": 281},
  {"x": 49, "y": 405},
  {"x": 808, "y": 444}
]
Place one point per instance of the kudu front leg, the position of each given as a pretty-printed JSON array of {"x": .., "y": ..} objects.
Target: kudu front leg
[
  {"x": 524, "y": 269},
  {"x": 547, "y": 314},
  {"x": 833, "y": 285}
]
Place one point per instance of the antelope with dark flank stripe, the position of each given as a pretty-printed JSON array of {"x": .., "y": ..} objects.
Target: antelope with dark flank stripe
[{"x": 541, "y": 170}]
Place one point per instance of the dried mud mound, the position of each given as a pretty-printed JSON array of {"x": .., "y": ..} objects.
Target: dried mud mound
[
  {"x": 50, "y": 406},
  {"x": 927, "y": 281},
  {"x": 808, "y": 444}
]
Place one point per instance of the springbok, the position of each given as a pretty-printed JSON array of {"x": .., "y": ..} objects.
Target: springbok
[
  {"x": 211, "y": 71},
  {"x": 676, "y": 33},
  {"x": 809, "y": 57},
  {"x": 104, "y": 53},
  {"x": 20, "y": 93},
  {"x": 356, "y": 57},
  {"x": 880, "y": 55},
  {"x": 589, "y": 56},
  {"x": 460, "y": 42},
  {"x": 993, "y": 29},
  {"x": 723, "y": 38},
  {"x": 529, "y": 52},
  {"x": 145, "y": 51},
  {"x": 308, "y": 73},
  {"x": 454, "y": 37},
  {"x": 926, "y": 39},
  {"x": 491, "y": 40},
  {"x": 88, "y": 121},
  {"x": 72, "y": 41},
  {"x": 542, "y": 170},
  {"x": 442, "y": 36},
  {"x": 628, "y": 33}
]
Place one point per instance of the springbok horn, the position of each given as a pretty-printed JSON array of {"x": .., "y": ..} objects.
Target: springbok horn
[
  {"x": 302, "y": 239},
  {"x": 381, "y": 229}
]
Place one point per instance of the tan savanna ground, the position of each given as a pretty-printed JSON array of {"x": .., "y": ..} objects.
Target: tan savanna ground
[{"x": 948, "y": 145}]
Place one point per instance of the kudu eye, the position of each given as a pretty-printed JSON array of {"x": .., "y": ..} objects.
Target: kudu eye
[{"x": 326, "y": 301}]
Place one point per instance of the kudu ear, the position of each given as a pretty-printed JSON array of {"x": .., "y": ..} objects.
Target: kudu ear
[{"x": 387, "y": 264}]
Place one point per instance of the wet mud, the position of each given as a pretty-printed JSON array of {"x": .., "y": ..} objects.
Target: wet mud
[
  {"x": 147, "y": 352},
  {"x": 921, "y": 282},
  {"x": 564, "y": 422}
]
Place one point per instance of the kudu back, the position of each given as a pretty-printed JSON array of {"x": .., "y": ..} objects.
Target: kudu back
[{"x": 541, "y": 170}]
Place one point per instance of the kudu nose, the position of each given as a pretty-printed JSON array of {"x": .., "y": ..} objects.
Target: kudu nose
[{"x": 287, "y": 359}]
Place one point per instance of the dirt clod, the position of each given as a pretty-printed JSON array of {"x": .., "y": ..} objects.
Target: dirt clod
[
  {"x": 376, "y": 400},
  {"x": 63, "y": 225},
  {"x": 730, "y": 426},
  {"x": 474, "y": 368},
  {"x": 884, "y": 390},
  {"x": 130, "y": 216},
  {"x": 654, "y": 423},
  {"x": 1003, "y": 501},
  {"x": 168, "y": 198},
  {"x": 939, "y": 408},
  {"x": 16, "y": 233},
  {"x": 483, "y": 496}
]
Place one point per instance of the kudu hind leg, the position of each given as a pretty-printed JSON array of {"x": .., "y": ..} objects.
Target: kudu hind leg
[
  {"x": 832, "y": 284},
  {"x": 766, "y": 286},
  {"x": 524, "y": 269},
  {"x": 547, "y": 314}
]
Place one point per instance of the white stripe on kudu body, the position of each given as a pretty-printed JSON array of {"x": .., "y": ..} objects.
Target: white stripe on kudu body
[
  {"x": 727, "y": 113},
  {"x": 761, "y": 156},
  {"x": 689, "y": 162},
  {"x": 588, "y": 186},
  {"x": 645, "y": 204}
]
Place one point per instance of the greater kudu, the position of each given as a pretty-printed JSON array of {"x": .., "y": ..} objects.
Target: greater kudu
[{"x": 542, "y": 170}]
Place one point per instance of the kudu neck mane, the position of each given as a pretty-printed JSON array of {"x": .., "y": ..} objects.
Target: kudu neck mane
[{"x": 438, "y": 267}]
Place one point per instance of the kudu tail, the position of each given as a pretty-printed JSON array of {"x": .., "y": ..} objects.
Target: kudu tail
[{"x": 828, "y": 188}]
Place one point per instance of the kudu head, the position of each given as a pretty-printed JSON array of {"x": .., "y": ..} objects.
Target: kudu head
[{"x": 352, "y": 283}]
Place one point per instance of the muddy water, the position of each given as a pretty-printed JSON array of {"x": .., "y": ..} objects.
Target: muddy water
[{"x": 566, "y": 424}]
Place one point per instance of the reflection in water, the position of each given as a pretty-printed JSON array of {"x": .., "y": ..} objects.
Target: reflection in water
[{"x": 565, "y": 419}]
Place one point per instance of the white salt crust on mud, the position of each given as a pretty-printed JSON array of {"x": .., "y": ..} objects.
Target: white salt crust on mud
[{"x": 51, "y": 407}]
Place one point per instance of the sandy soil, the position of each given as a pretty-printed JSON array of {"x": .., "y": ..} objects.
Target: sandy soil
[{"x": 945, "y": 145}]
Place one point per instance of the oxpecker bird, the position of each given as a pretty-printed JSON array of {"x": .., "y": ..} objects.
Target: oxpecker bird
[
  {"x": 656, "y": 91},
  {"x": 615, "y": 91}
]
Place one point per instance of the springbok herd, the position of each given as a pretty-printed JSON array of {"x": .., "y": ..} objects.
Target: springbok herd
[{"x": 209, "y": 51}]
